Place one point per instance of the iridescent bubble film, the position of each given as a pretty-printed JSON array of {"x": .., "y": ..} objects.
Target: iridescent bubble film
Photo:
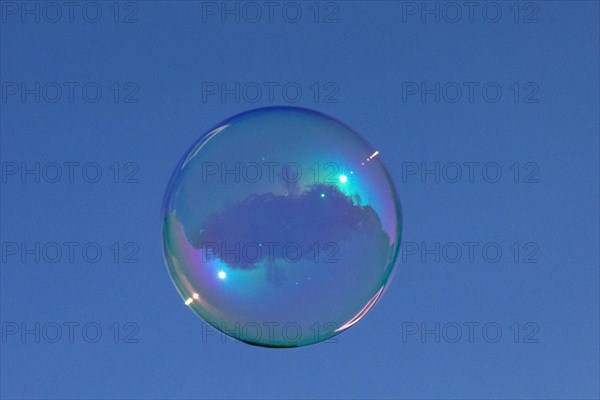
[{"x": 281, "y": 227}]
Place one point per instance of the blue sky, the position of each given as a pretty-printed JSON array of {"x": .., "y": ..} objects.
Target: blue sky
[{"x": 487, "y": 120}]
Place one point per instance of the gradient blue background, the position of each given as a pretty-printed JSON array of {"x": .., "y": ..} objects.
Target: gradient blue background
[{"x": 368, "y": 54}]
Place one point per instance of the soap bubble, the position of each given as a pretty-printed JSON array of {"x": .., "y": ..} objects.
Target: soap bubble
[{"x": 281, "y": 227}]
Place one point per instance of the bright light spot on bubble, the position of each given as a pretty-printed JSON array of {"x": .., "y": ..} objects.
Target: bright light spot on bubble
[{"x": 307, "y": 245}]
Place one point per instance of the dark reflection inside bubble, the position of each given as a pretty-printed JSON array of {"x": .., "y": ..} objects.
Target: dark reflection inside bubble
[{"x": 262, "y": 229}]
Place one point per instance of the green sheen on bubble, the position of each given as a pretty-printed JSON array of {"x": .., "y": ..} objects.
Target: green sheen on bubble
[{"x": 281, "y": 227}]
